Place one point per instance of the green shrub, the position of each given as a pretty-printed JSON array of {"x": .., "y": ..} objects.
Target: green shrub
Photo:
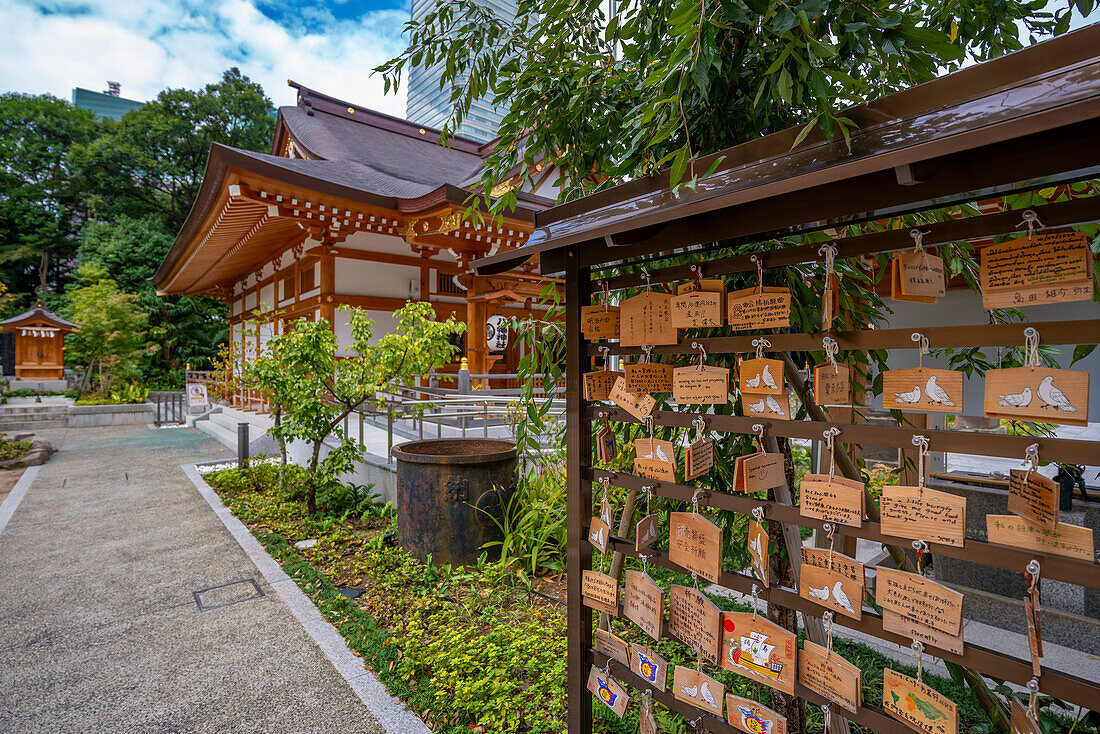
[
  {"x": 533, "y": 525},
  {"x": 13, "y": 449}
]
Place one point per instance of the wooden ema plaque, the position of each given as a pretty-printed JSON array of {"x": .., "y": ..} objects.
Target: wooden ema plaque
[
  {"x": 647, "y": 724},
  {"x": 696, "y": 309},
  {"x": 643, "y": 603},
  {"x": 758, "y": 472},
  {"x": 695, "y": 543},
  {"x": 694, "y": 620},
  {"x": 1034, "y": 497},
  {"x": 760, "y": 650},
  {"x": 923, "y": 390},
  {"x": 597, "y": 385},
  {"x": 606, "y": 447},
  {"x": 1039, "y": 394},
  {"x": 646, "y": 319},
  {"x": 920, "y": 599},
  {"x": 894, "y": 622},
  {"x": 656, "y": 459},
  {"x": 648, "y": 377},
  {"x": 833, "y": 385},
  {"x": 839, "y": 588},
  {"x": 896, "y": 291},
  {"x": 927, "y": 514},
  {"x": 758, "y": 551},
  {"x": 638, "y": 405},
  {"x": 777, "y": 407},
  {"x": 1021, "y": 720},
  {"x": 752, "y": 717},
  {"x": 759, "y": 308},
  {"x": 1034, "y": 617},
  {"x": 601, "y": 592},
  {"x": 599, "y": 533},
  {"x": 607, "y": 513},
  {"x": 830, "y": 675},
  {"x": 919, "y": 275},
  {"x": 832, "y": 499},
  {"x": 611, "y": 645},
  {"x": 1050, "y": 267},
  {"x": 607, "y": 691},
  {"x": 761, "y": 376},
  {"x": 646, "y": 532},
  {"x": 649, "y": 666},
  {"x": 913, "y": 703},
  {"x": 600, "y": 322},
  {"x": 701, "y": 385},
  {"x": 698, "y": 689},
  {"x": 698, "y": 459},
  {"x": 1072, "y": 541},
  {"x": 709, "y": 285},
  {"x": 830, "y": 301}
]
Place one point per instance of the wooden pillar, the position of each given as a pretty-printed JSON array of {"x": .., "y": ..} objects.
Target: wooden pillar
[
  {"x": 578, "y": 489},
  {"x": 476, "y": 349},
  {"x": 328, "y": 286}
]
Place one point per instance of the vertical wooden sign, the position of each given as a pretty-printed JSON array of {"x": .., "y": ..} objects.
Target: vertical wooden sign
[
  {"x": 913, "y": 703},
  {"x": 598, "y": 384},
  {"x": 695, "y": 543},
  {"x": 599, "y": 533},
  {"x": 611, "y": 645},
  {"x": 698, "y": 689},
  {"x": 923, "y": 513},
  {"x": 643, "y": 603},
  {"x": 694, "y": 620},
  {"x": 698, "y": 459},
  {"x": 600, "y": 322},
  {"x": 607, "y": 690},
  {"x": 1038, "y": 393},
  {"x": 757, "y": 649},
  {"x": 646, "y": 319},
  {"x": 646, "y": 532},
  {"x": 922, "y": 389},
  {"x": 649, "y": 666},
  {"x": 830, "y": 675},
  {"x": 758, "y": 551},
  {"x": 1033, "y": 496},
  {"x": 752, "y": 717}
]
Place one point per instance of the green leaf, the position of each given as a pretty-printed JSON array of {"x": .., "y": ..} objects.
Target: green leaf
[{"x": 783, "y": 86}]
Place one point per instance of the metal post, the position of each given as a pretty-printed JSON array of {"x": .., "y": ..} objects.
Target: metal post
[
  {"x": 360, "y": 414},
  {"x": 158, "y": 411},
  {"x": 485, "y": 419},
  {"x": 242, "y": 445},
  {"x": 420, "y": 427},
  {"x": 389, "y": 435}
]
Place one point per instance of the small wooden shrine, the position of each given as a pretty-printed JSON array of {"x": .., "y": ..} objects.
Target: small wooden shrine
[{"x": 39, "y": 347}]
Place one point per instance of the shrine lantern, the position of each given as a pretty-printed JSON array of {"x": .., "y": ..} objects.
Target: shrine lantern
[{"x": 39, "y": 348}]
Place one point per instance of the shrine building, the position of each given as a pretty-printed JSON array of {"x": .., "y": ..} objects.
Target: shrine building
[
  {"x": 39, "y": 349},
  {"x": 353, "y": 208}
]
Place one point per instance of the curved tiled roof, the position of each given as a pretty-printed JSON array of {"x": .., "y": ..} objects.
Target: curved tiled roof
[{"x": 42, "y": 313}]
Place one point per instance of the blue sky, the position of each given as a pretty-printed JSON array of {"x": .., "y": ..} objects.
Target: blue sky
[{"x": 148, "y": 45}]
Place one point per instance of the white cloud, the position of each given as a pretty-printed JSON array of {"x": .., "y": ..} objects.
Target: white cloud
[{"x": 148, "y": 46}]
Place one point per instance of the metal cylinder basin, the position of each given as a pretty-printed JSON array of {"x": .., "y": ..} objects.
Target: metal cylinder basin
[{"x": 448, "y": 492}]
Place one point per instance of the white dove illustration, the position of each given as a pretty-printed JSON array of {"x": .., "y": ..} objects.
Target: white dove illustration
[
  {"x": 754, "y": 382},
  {"x": 757, "y": 407},
  {"x": 1019, "y": 400},
  {"x": 768, "y": 379},
  {"x": 936, "y": 393},
  {"x": 661, "y": 454},
  {"x": 690, "y": 692},
  {"x": 822, "y": 593},
  {"x": 707, "y": 696},
  {"x": 1053, "y": 397},
  {"x": 912, "y": 396},
  {"x": 650, "y": 534},
  {"x": 754, "y": 545},
  {"x": 841, "y": 598},
  {"x": 597, "y": 538},
  {"x": 773, "y": 405}
]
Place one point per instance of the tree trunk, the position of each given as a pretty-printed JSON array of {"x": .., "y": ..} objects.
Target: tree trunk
[
  {"x": 624, "y": 532},
  {"x": 311, "y": 486},
  {"x": 43, "y": 269}
]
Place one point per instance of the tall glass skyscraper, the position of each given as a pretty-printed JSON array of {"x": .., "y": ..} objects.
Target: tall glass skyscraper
[{"x": 430, "y": 106}]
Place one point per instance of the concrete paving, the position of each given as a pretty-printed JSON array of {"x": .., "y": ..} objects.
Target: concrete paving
[{"x": 100, "y": 630}]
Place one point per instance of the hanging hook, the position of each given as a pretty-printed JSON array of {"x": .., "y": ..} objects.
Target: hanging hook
[
  {"x": 645, "y": 274},
  {"x": 648, "y": 421},
  {"x": 758, "y": 513},
  {"x": 759, "y": 260},
  {"x": 1031, "y": 575},
  {"x": 922, "y": 350},
  {"x": 760, "y": 345},
  {"x": 918, "y": 650},
  {"x": 648, "y": 350},
  {"x": 921, "y": 548},
  {"x": 918, "y": 238},
  {"x": 1031, "y": 347},
  {"x": 1031, "y": 460},
  {"x": 1031, "y": 221},
  {"x": 922, "y": 443},
  {"x": 606, "y": 353},
  {"x": 603, "y": 414},
  {"x": 830, "y": 435},
  {"x": 827, "y": 618},
  {"x": 697, "y": 496},
  {"x": 702, "y": 351},
  {"x": 755, "y": 591},
  {"x": 758, "y": 429},
  {"x": 645, "y": 562},
  {"x": 1033, "y": 698},
  {"x": 825, "y": 716},
  {"x": 832, "y": 348}
]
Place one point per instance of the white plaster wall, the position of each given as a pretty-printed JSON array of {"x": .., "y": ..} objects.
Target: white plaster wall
[
  {"x": 267, "y": 296},
  {"x": 384, "y": 280},
  {"x": 384, "y": 323},
  {"x": 964, "y": 308}
]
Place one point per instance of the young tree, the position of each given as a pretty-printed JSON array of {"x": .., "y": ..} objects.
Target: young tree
[
  {"x": 41, "y": 203},
  {"x": 112, "y": 328},
  {"x": 314, "y": 390}
]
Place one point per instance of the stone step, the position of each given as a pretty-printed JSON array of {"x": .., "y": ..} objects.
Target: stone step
[
  {"x": 225, "y": 436},
  {"x": 6, "y": 410},
  {"x": 12, "y": 426}
]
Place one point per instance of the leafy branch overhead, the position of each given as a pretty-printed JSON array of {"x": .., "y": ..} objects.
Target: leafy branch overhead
[{"x": 665, "y": 83}]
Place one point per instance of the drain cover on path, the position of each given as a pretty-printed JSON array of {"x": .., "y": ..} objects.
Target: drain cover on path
[{"x": 226, "y": 595}]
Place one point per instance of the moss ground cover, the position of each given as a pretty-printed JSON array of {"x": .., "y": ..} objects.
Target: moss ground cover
[{"x": 472, "y": 649}]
